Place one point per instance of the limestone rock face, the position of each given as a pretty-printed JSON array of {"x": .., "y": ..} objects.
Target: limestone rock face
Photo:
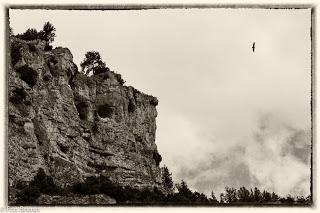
[{"x": 74, "y": 126}]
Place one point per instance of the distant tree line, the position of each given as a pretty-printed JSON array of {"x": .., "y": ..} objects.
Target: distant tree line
[{"x": 178, "y": 194}]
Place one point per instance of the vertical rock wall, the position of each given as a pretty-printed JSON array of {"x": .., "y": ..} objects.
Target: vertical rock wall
[{"x": 74, "y": 126}]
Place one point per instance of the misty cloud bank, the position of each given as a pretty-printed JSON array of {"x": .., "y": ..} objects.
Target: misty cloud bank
[{"x": 275, "y": 157}]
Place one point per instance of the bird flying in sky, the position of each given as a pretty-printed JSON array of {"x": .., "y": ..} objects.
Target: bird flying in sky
[{"x": 254, "y": 46}]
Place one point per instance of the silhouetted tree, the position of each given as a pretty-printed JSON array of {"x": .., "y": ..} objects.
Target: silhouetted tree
[
  {"x": 29, "y": 35},
  {"x": 222, "y": 198},
  {"x": 213, "y": 198},
  {"x": 243, "y": 194},
  {"x": 199, "y": 198},
  {"x": 274, "y": 197},
  {"x": 184, "y": 193},
  {"x": 230, "y": 194},
  {"x": 48, "y": 32},
  {"x": 301, "y": 199},
  {"x": 257, "y": 195},
  {"x": 183, "y": 188},
  {"x": 266, "y": 196},
  {"x": 94, "y": 63},
  {"x": 166, "y": 178},
  {"x": 308, "y": 199}
]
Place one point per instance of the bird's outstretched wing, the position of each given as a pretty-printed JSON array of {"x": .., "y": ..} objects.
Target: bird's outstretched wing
[{"x": 254, "y": 46}]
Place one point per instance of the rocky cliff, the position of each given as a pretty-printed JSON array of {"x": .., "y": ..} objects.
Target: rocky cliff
[{"x": 74, "y": 126}]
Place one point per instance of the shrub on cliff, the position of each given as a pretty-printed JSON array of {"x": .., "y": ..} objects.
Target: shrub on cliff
[
  {"x": 45, "y": 183},
  {"x": 119, "y": 78},
  {"x": 157, "y": 157},
  {"x": 93, "y": 63},
  {"x": 28, "y": 195},
  {"x": 29, "y": 35},
  {"x": 46, "y": 34}
]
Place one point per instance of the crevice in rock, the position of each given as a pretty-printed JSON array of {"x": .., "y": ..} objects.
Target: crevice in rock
[
  {"x": 101, "y": 167},
  {"x": 63, "y": 148},
  {"x": 131, "y": 106},
  {"x": 83, "y": 110},
  {"x": 100, "y": 151}
]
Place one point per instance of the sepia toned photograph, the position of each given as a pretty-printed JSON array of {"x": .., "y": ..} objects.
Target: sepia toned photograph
[{"x": 145, "y": 105}]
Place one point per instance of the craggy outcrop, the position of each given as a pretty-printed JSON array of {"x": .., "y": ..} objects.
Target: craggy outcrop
[{"x": 74, "y": 126}]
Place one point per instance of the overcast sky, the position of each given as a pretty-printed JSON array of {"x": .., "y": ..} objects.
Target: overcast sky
[{"x": 226, "y": 116}]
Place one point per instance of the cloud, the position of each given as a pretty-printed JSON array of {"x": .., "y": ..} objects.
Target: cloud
[{"x": 275, "y": 156}]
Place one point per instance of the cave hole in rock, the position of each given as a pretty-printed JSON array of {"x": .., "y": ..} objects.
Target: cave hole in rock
[
  {"x": 83, "y": 110},
  {"x": 105, "y": 111},
  {"x": 18, "y": 96},
  {"x": 28, "y": 75}
]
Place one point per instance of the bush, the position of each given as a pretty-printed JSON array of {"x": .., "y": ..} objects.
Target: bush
[
  {"x": 29, "y": 35},
  {"x": 45, "y": 183},
  {"x": 102, "y": 185},
  {"x": 28, "y": 195},
  {"x": 154, "y": 101},
  {"x": 46, "y": 34},
  {"x": 119, "y": 78},
  {"x": 41, "y": 183},
  {"x": 21, "y": 184}
]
